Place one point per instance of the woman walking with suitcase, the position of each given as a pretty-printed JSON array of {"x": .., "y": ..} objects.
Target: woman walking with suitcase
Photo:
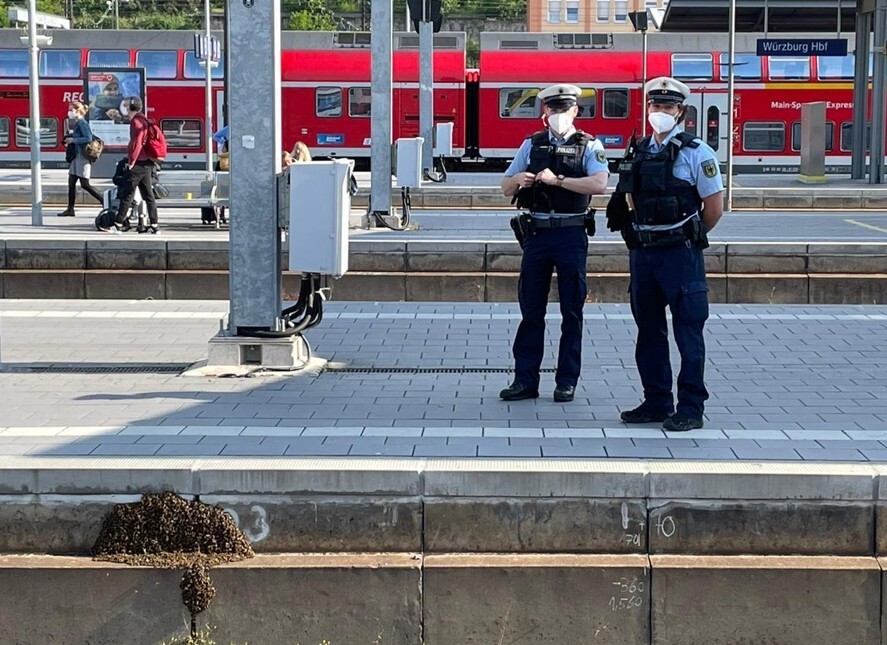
[{"x": 80, "y": 169}]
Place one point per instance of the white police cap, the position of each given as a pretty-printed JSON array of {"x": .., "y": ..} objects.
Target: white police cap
[
  {"x": 666, "y": 90},
  {"x": 560, "y": 95}
]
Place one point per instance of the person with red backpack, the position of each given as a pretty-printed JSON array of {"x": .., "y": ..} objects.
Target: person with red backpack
[{"x": 146, "y": 149}]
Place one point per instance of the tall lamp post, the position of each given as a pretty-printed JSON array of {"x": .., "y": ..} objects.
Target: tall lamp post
[
  {"x": 34, "y": 42},
  {"x": 209, "y": 91},
  {"x": 639, "y": 21},
  {"x": 730, "y": 94}
]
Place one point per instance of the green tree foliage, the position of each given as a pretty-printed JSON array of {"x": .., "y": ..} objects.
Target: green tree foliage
[{"x": 311, "y": 15}]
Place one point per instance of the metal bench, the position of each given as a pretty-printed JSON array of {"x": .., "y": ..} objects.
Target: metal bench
[{"x": 195, "y": 189}]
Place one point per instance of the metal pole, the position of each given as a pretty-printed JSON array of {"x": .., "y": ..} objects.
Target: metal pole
[
  {"x": 209, "y": 91},
  {"x": 381, "y": 23},
  {"x": 36, "y": 168},
  {"x": 838, "y": 35},
  {"x": 116, "y": 14},
  {"x": 407, "y": 25},
  {"x": 766, "y": 18},
  {"x": 643, "y": 83},
  {"x": 860, "y": 94},
  {"x": 730, "y": 89},
  {"x": 879, "y": 69},
  {"x": 255, "y": 146},
  {"x": 426, "y": 83}
]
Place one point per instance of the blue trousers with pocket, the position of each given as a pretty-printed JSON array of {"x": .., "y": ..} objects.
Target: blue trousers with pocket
[
  {"x": 552, "y": 249},
  {"x": 672, "y": 276}
]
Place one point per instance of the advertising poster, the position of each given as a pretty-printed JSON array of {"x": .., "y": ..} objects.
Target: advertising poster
[{"x": 107, "y": 92}]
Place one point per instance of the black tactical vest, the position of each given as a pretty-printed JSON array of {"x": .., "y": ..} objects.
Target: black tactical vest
[
  {"x": 659, "y": 197},
  {"x": 564, "y": 159}
]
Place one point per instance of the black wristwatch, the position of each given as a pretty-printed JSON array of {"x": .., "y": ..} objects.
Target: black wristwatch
[{"x": 560, "y": 180}]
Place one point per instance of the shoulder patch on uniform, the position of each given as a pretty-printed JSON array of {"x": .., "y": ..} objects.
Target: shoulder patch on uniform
[
  {"x": 709, "y": 168},
  {"x": 600, "y": 156}
]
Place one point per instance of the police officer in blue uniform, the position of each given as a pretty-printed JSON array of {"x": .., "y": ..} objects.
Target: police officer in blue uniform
[
  {"x": 552, "y": 178},
  {"x": 674, "y": 185}
]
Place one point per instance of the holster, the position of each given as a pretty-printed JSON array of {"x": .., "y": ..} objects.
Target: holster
[
  {"x": 590, "y": 228},
  {"x": 523, "y": 227}
]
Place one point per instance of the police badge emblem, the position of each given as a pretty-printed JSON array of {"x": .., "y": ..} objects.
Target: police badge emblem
[
  {"x": 709, "y": 168},
  {"x": 600, "y": 156}
]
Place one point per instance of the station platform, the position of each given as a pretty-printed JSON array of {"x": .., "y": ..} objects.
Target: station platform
[
  {"x": 779, "y": 191},
  {"x": 449, "y": 255},
  {"x": 388, "y": 486}
]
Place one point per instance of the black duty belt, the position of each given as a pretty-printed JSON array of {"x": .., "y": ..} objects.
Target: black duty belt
[{"x": 559, "y": 222}]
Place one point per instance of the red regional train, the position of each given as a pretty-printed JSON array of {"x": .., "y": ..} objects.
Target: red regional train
[{"x": 326, "y": 91}]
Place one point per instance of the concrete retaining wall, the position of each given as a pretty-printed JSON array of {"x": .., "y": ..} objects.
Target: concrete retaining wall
[
  {"x": 403, "y": 599},
  {"x": 479, "y": 551},
  {"x": 433, "y": 271}
]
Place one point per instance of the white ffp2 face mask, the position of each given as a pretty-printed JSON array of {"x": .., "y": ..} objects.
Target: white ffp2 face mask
[
  {"x": 72, "y": 114},
  {"x": 661, "y": 122},
  {"x": 560, "y": 122}
]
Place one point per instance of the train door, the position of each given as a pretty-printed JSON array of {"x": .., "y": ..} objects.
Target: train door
[
  {"x": 406, "y": 122},
  {"x": 219, "y": 120},
  {"x": 707, "y": 119}
]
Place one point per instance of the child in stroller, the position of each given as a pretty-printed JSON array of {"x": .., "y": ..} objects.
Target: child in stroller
[{"x": 111, "y": 199}]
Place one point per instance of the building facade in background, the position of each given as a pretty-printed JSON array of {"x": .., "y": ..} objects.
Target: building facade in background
[{"x": 586, "y": 15}]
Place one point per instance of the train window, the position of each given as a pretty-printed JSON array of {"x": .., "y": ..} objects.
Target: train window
[
  {"x": 615, "y": 104},
  {"x": 829, "y": 136},
  {"x": 182, "y": 133},
  {"x": 763, "y": 137},
  {"x": 847, "y": 136},
  {"x": 587, "y": 103},
  {"x": 328, "y": 101},
  {"x": 359, "y": 101},
  {"x": 746, "y": 67},
  {"x": 713, "y": 126},
  {"x": 4, "y": 132},
  {"x": 60, "y": 63},
  {"x": 834, "y": 67},
  {"x": 158, "y": 64},
  {"x": 692, "y": 67},
  {"x": 790, "y": 68},
  {"x": 193, "y": 68},
  {"x": 518, "y": 102},
  {"x": 13, "y": 64},
  {"x": 108, "y": 58},
  {"x": 691, "y": 120},
  {"x": 49, "y": 132}
]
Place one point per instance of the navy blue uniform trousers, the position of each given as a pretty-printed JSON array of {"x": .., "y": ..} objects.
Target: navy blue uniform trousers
[
  {"x": 672, "y": 276},
  {"x": 564, "y": 250}
]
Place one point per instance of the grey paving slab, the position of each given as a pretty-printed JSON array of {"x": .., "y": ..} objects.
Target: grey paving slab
[
  {"x": 715, "y": 454},
  {"x": 802, "y": 383}
]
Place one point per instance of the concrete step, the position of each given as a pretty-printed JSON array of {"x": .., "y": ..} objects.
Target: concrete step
[
  {"x": 406, "y": 599},
  {"x": 443, "y": 551},
  {"x": 774, "y": 273},
  {"x": 51, "y": 505},
  {"x": 857, "y": 197}
]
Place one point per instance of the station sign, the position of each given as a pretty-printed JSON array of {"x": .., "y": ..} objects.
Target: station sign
[
  {"x": 207, "y": 48},
  {"x": 802, "y": 47}
]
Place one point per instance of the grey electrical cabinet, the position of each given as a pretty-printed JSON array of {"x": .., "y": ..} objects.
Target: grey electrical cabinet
[{"x": 319, "y": 209}]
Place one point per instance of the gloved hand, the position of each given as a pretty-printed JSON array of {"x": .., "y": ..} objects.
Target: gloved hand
[{"x": 618, "y": 216}]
